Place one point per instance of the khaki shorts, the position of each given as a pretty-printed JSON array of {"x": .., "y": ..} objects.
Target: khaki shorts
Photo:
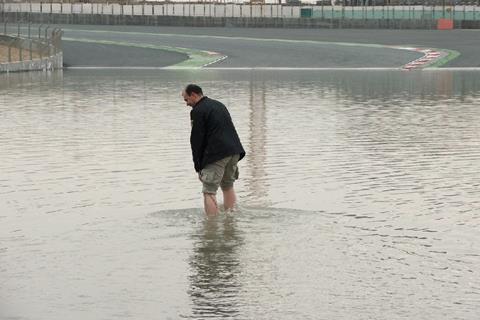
[{"x": 222, "y": 173}]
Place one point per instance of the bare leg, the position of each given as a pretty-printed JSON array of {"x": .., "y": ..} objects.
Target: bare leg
[
  {"x": 229, "y": 198},
  {"x": 210, "y": 204}
]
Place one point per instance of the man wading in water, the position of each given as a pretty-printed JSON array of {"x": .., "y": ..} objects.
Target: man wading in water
[{"x": 216, "y": 148}]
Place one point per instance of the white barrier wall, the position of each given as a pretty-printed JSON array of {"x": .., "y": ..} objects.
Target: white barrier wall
[
  {"x": 219, "y": 10},
  {"x": 168, "y": 9},
  {"x": 188, "y": 11},
  {"x": 138, "y": 10},
  {"x": 257, "y": 11},
  {"x": 148, "y": 10},
  {"x": 207, "y": 10},
  {"x": 198, "y": 10},
  {"x": 57, "y": 8},
  {"x": 77, "y": 8},
  {"x": 237, "y": 11},
  {"x": 229, "y": 10},
  {"x": 115, "y": 9},
  {"x": 87, "y": 8},
  {"x": 157, "y": 10},
  {"x": 35, "y": 7},
  {"x": 95, "y": 8},
  {"x": 127, "y": 10},
  {"x": 66, "y": 8},
  {"x": 277, "y": 11},
  {"x": 24, "y": 7},
  {"x": 178, "y": 9}
]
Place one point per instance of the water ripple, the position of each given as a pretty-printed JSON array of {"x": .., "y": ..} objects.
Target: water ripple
[{"x": 377, "y": 175}]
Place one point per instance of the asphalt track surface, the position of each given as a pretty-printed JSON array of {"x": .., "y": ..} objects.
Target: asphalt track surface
[
  {"x": 81, "y": 54},
  {"x": 262, "y": 48}
]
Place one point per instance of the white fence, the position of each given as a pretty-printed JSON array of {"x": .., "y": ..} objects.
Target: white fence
[{"x": 170, "y": 9}]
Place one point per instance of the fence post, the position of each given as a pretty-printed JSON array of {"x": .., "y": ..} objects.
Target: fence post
[
  {"x": 20, "y": 55},
  {"x": 54, "y": 41},
  {"x": 30, "y": 49},
  {"x": 40, "y": 31},
  {"x": 10, "y": 51}
]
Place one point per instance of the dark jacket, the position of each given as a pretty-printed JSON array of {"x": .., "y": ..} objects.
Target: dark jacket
[{"x": 213, "y": 134}]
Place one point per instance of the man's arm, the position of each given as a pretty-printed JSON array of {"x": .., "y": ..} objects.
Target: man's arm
[{"x": 197, "y": 138}]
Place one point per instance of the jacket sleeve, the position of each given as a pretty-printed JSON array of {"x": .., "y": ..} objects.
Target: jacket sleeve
[{"x": 197, "y": 138}]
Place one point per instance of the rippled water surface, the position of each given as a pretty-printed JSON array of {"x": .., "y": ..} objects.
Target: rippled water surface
[{"x": 359, "y": 197}]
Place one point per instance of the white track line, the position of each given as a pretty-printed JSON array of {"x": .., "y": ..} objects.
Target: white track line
[
  {"x": 230, "y": 68},
  {"x": 471, "y": 69}
]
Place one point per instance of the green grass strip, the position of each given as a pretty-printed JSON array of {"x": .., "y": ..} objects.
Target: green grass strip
[{"x": 451, "y": 54}]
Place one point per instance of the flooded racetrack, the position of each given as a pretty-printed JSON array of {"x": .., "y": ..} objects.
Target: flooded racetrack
[{"x": 359, "y": 197}]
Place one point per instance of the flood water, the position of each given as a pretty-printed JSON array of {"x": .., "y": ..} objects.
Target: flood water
[{"x": 359, "y": 197}]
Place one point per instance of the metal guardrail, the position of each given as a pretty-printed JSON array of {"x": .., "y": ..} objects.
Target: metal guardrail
[{"x": 24, "y": 42}]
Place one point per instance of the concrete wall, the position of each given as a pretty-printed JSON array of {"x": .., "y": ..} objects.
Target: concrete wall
[{"x": 50, "y": 62}]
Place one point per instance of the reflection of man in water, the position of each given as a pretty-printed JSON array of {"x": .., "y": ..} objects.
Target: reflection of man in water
[
  {"x": 215, "y": 264},
  {"x": 216, "y": 147}
]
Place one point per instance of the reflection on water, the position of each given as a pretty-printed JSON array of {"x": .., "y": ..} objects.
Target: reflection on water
[
  {"x": 384, "y": 166},
  {"x": 257, "y": 185},
  {"x": 215, "y": 268}
]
